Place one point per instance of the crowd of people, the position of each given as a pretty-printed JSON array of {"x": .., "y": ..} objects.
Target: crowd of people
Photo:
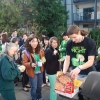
[{"x": 35, "y": 59}]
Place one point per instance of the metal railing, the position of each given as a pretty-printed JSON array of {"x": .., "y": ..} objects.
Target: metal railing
[
  {"x": 75, "y": 1},
  {"x": 83, "y": 16}
]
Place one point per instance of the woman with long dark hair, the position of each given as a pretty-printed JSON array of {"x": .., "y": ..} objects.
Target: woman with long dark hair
[
  {"x": 5, "y": 40},
  {"x": 33, "y": 59}
]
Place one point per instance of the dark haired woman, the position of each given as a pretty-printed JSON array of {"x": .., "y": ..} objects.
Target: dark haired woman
[
  {"x": 45, "y": 47},
  {"x": 5, "y": 40},
  {"x": 33, "y": 59}
]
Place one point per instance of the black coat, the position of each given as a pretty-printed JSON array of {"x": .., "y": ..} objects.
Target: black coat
[{"x": 52, "y": 64}]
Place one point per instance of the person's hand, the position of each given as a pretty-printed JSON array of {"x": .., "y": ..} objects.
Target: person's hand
[
  {"x": 21, "y": 68},
  {"x": 33, "y": 65},
  {"x": 59, "y": 73},
  {"x": 55, "y": 52},
  {"x": 64, "y": 72},
  {"x": 74, "y": 73},
  {"x": 43, "y": 60}
]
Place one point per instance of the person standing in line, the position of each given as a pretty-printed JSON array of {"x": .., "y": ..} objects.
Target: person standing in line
[
  {"x": 33, "y": 60},
  {"x": 4, "y": 32},
  {"x": 9, "y": 70},
  {"x": 16, "y": 35},
  {"x": 52, "y": 65},
  {"x": 32, "y": 33},
  {"x": 62, "y": 48},
  {"x": 46, "y": 46},
  {"x": 44, "y": 34},
  {"x": 25, "y": 78},
  {"x": 15, "y": 40},
  {"x": 5, "y": 40}
]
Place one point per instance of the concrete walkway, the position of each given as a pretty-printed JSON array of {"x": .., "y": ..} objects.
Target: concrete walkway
[{"x": 21, "y": 95}]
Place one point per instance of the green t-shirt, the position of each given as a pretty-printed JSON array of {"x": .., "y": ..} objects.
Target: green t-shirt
[{"x": 37, "y": 58}]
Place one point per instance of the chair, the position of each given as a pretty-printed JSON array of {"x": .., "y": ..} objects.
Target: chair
[{"x": 91, "y": 87}]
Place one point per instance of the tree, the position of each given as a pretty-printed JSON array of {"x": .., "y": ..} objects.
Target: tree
[
  {"x": 95, "y": 34},
  {"x": 49, "y": 15},
  {"x": 10, "y": 16},
  {"x": 25, "y": 7}
]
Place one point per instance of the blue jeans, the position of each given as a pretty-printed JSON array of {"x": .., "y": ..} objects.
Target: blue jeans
[{"x": 36, "y": 84}]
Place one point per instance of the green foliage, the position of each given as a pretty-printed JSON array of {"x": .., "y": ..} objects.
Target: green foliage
[
  {"x": 20, "y": 32},
  {"x": 95, "y": 34},
  {"x": 10, "y": 16},
  {"x": 25, "y": 7},
  {"x": 49, "y": 15},
  {"x": 34, "y": 15},
  {"x": 98, "y": 57}
]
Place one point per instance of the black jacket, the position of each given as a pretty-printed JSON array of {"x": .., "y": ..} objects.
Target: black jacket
[{"x": 52, "y": 64}]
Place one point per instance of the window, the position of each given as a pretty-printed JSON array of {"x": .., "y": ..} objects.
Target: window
[
  {"x": 87, "y": 13},
  {"x": 88, "y": 25},
  {"x": 85, "y": 25}
]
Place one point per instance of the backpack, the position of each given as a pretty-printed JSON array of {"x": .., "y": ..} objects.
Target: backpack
[
  {"x": 22, "y": 50},
  {"x": 27, "y": 54}
]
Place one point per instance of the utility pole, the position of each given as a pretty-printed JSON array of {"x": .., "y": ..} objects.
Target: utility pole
[
  {"x": 95, "y": 14},
  {"x": 72, "y": 10}
]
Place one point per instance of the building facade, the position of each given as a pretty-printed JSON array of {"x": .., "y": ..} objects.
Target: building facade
[{"x": 84, "y": 13}]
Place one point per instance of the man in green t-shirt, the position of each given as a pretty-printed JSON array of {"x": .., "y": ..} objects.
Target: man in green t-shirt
[{"x": 62, "y": 47}]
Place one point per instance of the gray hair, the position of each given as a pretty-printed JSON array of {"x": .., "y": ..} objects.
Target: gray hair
[{"x": 10, "y": 45}]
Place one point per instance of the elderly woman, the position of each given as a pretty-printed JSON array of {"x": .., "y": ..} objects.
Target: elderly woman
[{"x": 8, "y": 72}]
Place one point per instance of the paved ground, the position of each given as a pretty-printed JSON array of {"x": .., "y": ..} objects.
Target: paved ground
[{"x": 21, "y": 95}]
